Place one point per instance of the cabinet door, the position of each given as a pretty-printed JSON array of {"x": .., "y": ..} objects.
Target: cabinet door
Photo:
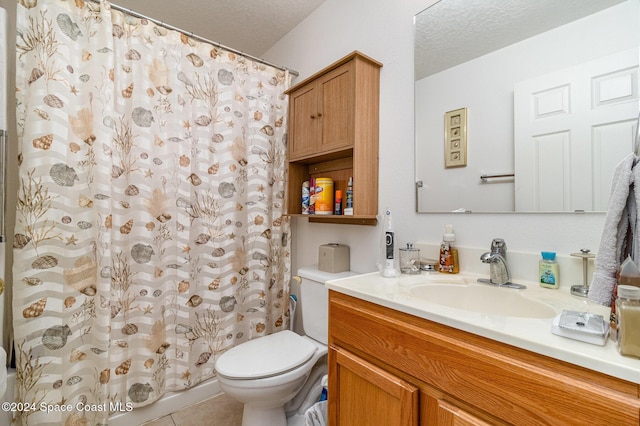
[
  {"x": 304, "y": 123},
  {"x": 362, "y": 394},
  {"x": 439, "y": 412},
  {"x": 337, "y": 108}
]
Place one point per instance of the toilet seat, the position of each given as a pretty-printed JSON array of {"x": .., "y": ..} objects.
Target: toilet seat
[{"x": 266, "y": 356}]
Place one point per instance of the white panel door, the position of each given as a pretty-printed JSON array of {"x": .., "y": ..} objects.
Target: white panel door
[{"x": 571, "y": 128}]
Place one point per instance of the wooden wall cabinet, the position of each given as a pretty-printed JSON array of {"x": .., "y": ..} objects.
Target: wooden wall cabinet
[
  {"x": 333, "y": 132},
  {"x": 458, "y": 378}
]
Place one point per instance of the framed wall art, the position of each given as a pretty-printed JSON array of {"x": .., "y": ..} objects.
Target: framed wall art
[{"x": 455, "y": 138}]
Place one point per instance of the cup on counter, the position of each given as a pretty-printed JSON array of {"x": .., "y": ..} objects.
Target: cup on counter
[{"x": 409, "y": 260}]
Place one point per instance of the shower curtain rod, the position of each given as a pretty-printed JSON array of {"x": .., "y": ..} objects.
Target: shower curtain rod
[{"x": 197, "y": 37}]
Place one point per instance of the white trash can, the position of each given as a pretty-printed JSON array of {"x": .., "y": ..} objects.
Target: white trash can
[{"x": 316, "y": 415}]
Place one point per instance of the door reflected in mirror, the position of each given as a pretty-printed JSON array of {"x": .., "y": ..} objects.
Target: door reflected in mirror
[{"x": 551, "y": 94}]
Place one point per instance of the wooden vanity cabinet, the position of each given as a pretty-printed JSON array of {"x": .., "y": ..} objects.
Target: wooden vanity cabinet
[
  {"x": 382, "y": 398},
  {"x": 333, "y": 132},
  {"x": 383, "y": 362}
]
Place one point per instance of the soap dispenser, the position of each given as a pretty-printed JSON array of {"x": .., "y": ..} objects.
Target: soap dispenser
[{"x": 448, "y": 253}]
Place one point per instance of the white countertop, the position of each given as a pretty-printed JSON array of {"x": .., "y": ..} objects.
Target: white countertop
[{"x": 533, "y": 334}]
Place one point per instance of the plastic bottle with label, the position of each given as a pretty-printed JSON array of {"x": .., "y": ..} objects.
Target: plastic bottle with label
[
  {"x": 305, "y": 197},
  {"x": 548, "y": 270},
  {"x": 338, "y": 203},
  {"x": 448, "y": 253},
  {"x": 312, "y": 196},
  {"x": 348, "y": 207},
  {"x": 628, "y": 320}
]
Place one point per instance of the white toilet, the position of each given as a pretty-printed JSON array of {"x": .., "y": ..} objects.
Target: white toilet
[{"x": 267, "y": 372}]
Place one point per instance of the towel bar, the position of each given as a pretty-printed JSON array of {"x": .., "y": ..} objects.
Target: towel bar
[{"x": 485, "y": 178}]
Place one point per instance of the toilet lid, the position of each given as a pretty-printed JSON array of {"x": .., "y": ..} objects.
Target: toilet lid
[{"x": 265, "y": 356}]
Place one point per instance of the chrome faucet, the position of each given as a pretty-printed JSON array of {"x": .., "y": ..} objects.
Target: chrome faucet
[{"x": 499, "y": 273}]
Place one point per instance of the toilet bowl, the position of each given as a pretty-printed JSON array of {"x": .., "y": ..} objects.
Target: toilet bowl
[
  {"x": 264, "y": 393},
  {"x": 267, "y": 372}
]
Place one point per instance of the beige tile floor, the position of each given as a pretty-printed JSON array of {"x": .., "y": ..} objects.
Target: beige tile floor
[{"x": 217, "y": 411}]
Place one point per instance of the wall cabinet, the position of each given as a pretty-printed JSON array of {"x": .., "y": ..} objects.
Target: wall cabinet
[
  {"x": 333, "y": 132},
  {"x": 458, "y": 378},
  {"x": 322, "y": 114}
]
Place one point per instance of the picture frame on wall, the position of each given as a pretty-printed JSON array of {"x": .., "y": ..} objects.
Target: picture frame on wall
[{"x": 455, "y": 138}]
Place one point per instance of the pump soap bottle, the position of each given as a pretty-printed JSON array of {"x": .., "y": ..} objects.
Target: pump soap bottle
[{"x": 448, "y": 253}]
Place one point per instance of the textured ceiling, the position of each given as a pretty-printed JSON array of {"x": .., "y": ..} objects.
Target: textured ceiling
[
  {"x": 452, "y": 32},
  {"x": 448, "y": 33},
  {"x": 250, "y": 26}
]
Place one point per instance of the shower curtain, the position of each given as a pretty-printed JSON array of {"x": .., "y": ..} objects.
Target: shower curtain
[{"x": 150, "y": 234}]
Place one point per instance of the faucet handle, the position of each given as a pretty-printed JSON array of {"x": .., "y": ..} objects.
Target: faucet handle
[{"x": 499, "y": 246}]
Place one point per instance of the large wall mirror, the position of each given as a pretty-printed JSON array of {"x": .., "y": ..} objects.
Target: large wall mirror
[{"x": 524, "y": 106}]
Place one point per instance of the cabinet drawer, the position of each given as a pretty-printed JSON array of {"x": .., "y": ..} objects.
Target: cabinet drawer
[{"x": 514, "y": 385}]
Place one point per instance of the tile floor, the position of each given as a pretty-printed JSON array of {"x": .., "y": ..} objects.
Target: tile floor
[{"x": 219, "y": 411}]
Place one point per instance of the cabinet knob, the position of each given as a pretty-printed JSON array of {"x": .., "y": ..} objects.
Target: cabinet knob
[
  {"x": 319, "y": 114},
  {"x": 313, "y": 116}
]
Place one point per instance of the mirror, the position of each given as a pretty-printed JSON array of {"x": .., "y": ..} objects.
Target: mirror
[{"x": 523, "y": 106}]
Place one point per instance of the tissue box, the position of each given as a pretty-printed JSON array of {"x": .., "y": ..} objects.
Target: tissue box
[{"x": 334, "y": 258}]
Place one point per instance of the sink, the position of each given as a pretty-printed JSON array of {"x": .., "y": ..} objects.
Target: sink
[{"x": 484, "y": 299}]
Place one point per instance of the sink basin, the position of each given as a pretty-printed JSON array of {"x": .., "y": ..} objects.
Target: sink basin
[{"x": 484, "y": 299}]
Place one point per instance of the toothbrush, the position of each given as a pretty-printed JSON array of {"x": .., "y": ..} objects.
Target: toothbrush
[{"x": 388, "y": 270}]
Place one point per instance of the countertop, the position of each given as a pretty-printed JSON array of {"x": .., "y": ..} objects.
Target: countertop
[{"x": 533, "y": 334}]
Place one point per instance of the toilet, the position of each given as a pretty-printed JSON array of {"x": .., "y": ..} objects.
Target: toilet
[{"x": 266, "y": 373}]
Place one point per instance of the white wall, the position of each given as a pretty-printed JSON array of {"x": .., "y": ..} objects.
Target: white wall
[
  {"x": 490, "y": 106},
  {"x": 383, "y": 29}
]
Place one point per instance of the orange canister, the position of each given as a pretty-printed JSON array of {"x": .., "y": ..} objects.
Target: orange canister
[{"x": 324, "y": 196}]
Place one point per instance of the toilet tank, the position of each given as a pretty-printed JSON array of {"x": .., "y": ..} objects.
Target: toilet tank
[{"x": 314, "y": 301}]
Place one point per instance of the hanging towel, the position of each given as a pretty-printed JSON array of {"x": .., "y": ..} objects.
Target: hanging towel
[{"x": 619, "y": 237}]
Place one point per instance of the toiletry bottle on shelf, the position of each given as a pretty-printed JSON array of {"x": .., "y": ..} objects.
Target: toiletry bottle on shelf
[
  {"x": 348, "y": 208},
  {"x": 548, "y": 270},
  {"x": 312, "y": 196},
  {"x": 338, "y": 202},
  {"x": 305, "y": 197},
  {"x": 628, "y": 320},
  {"x": 448, "y": 253}
]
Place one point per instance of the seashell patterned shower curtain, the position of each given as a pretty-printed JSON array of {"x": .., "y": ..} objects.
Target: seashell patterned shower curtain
[{"x": 150, "y": 234}]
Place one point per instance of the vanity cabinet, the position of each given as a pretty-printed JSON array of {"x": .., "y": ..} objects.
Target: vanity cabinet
[
  {"x": 458, "y": 378},
  {"x": 333, "y": 132},
  {"x": 369, "y": 395}
]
